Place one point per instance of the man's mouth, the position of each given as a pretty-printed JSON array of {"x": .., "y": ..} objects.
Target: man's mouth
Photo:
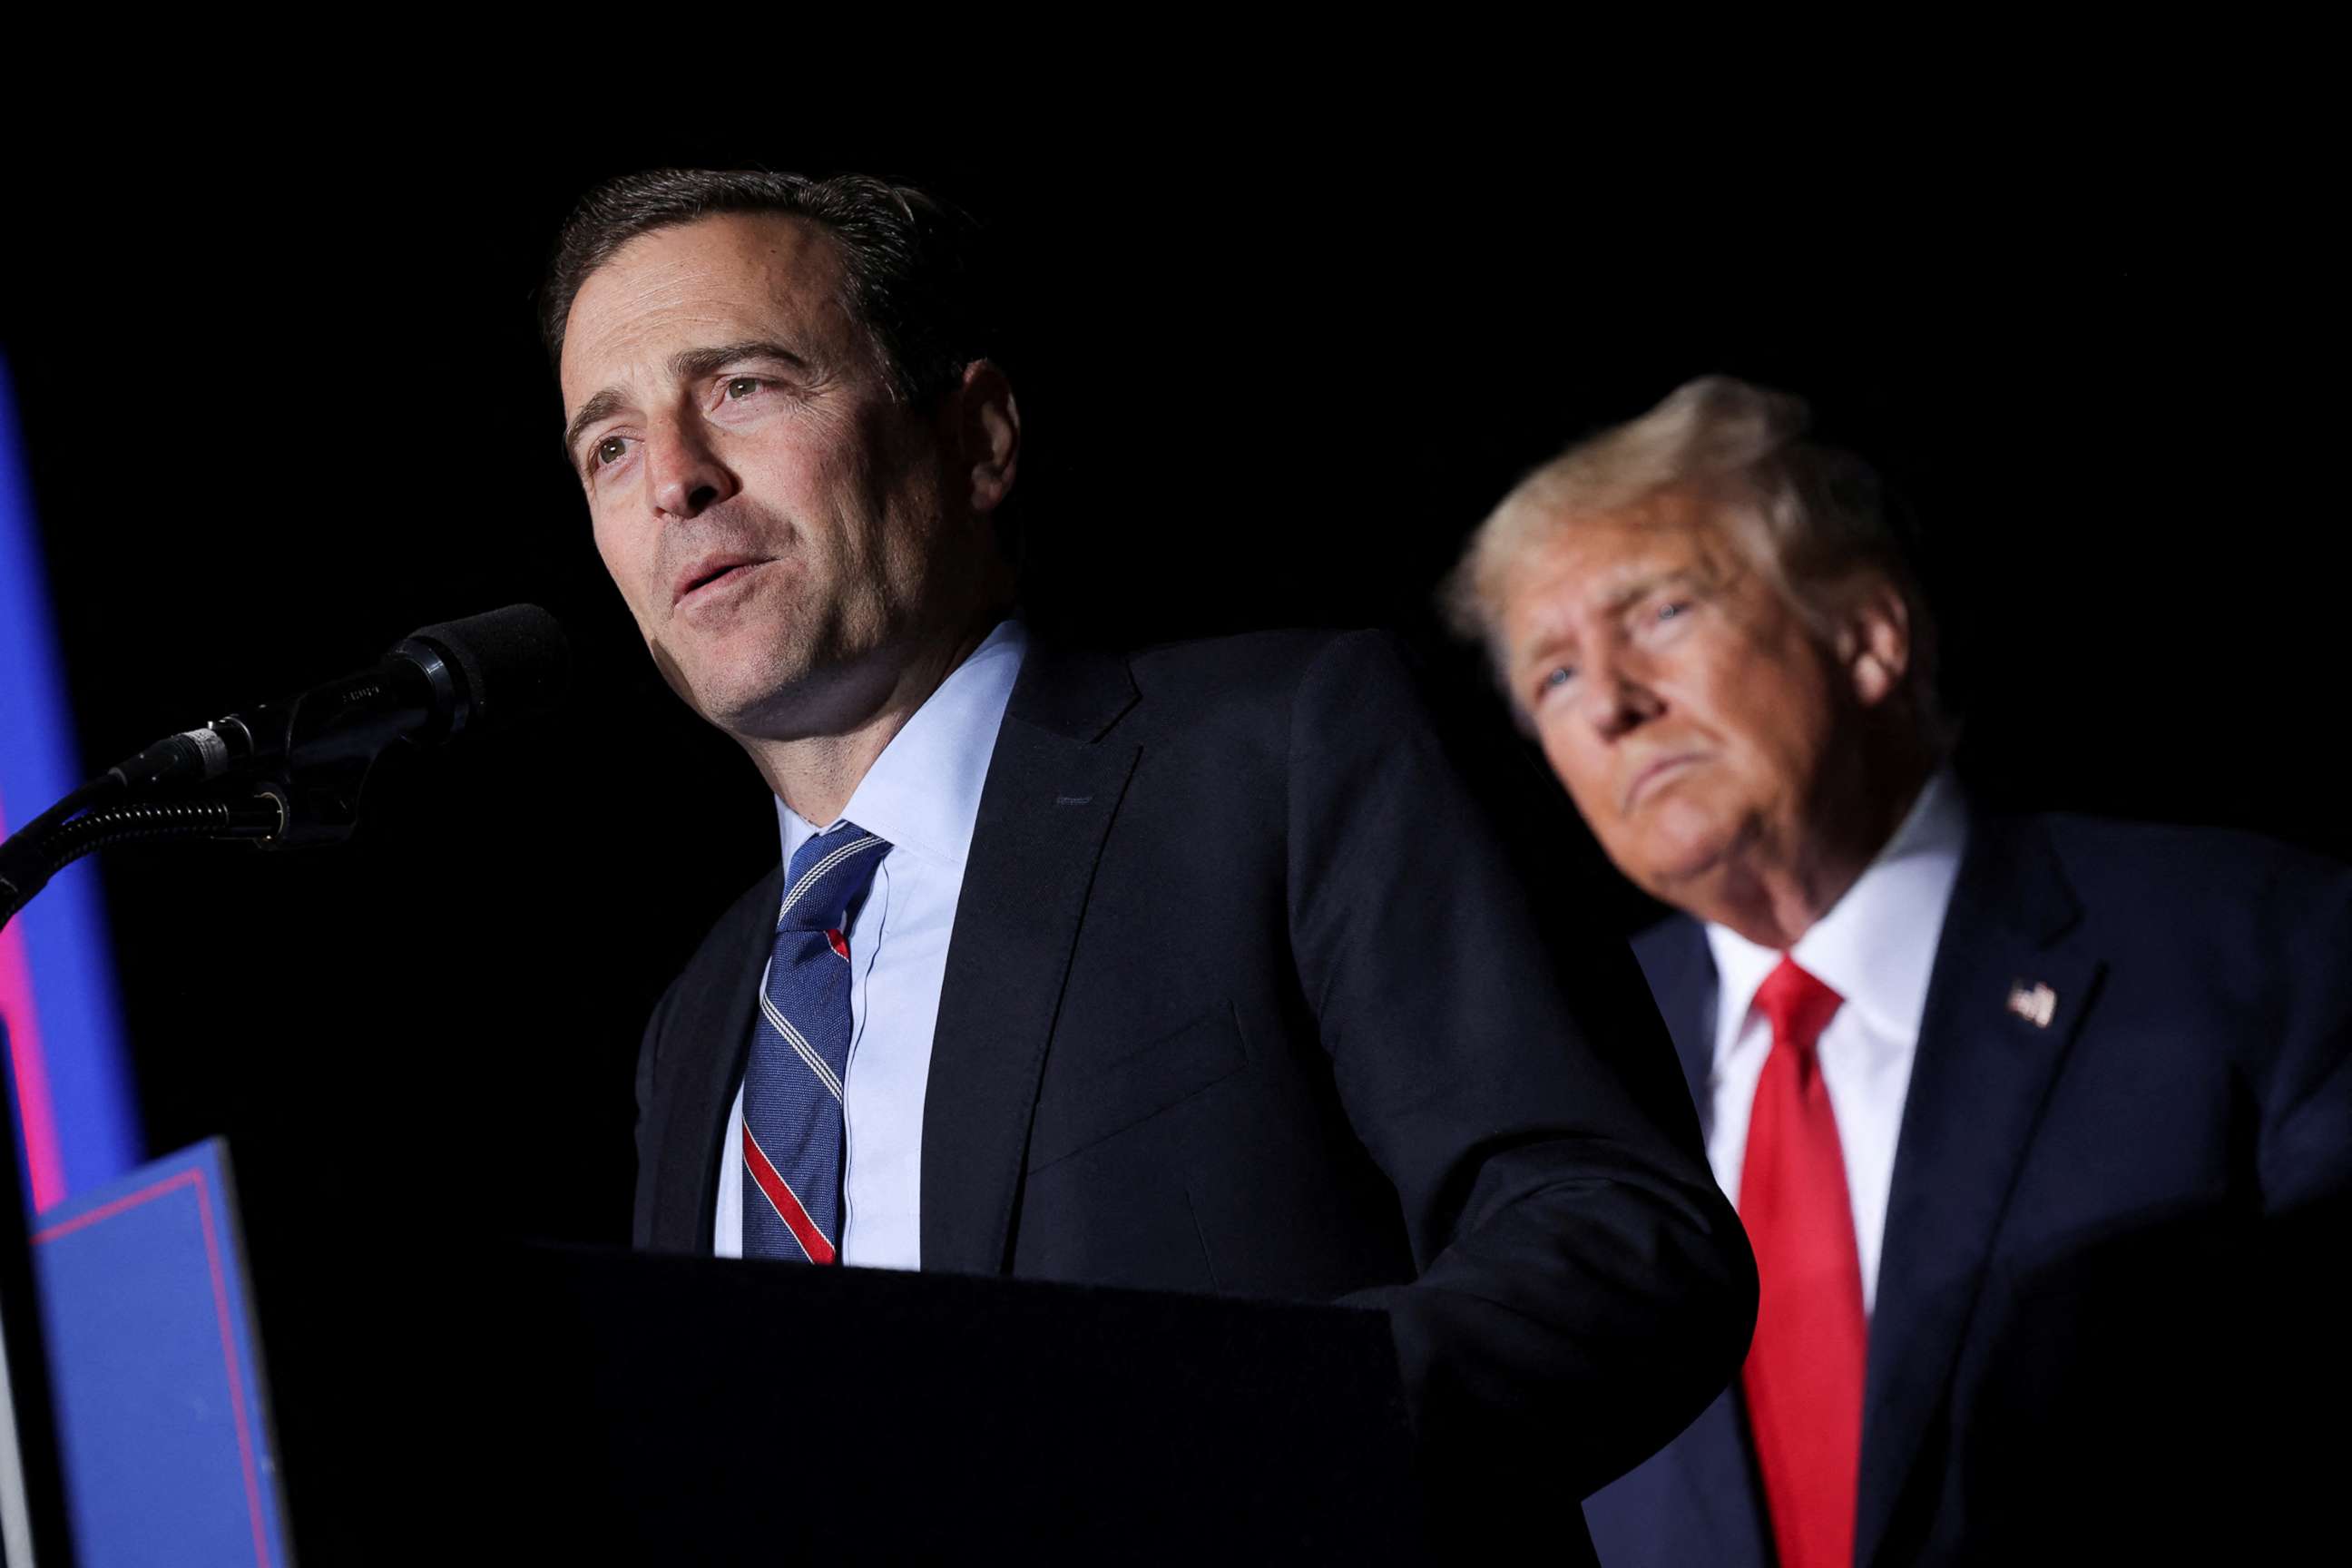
[
  {"x": 711, "y": 574},
  {"x": 1655, "y": 773}
]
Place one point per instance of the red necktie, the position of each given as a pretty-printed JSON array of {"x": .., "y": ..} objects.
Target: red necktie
[{"x": 1803, "y": 1376}]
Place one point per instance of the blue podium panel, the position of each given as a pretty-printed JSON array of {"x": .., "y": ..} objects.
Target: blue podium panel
[{"x": 152, "y": 1360}]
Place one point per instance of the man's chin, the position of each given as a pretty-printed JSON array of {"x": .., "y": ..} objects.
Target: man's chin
[
  {"x": 796, "y": 703},
  {"x": 1688, "y": 869},
  {"x": 728, "y": 678},
  {"x": 721, "y": 698},
  {"x": 767, "y": 712}
]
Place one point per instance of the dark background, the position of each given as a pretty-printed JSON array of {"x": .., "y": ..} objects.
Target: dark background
[{"x": 282, "y": 404}]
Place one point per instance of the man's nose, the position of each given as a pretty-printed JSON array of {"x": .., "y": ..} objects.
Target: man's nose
[
  {"x": 689, "y": 477},
  {"x": 1617, "y": 699}
]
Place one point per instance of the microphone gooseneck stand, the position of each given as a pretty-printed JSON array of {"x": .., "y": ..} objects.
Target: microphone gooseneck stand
[{"x": 30, "y": 858}]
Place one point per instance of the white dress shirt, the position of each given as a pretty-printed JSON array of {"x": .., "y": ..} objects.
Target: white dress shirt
[
  {"x": 922, "y": 795},
  {"x": 1875, "y": 948}
]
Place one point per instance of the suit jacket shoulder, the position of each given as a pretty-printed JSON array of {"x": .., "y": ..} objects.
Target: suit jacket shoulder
[{"x": 2238, "y": 902}]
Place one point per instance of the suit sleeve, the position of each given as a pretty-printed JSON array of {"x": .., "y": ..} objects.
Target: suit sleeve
[{"x": 1583, "y": 1288}]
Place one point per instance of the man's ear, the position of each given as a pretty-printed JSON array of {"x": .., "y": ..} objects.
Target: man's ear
[
  {"x": 1874, "y": 639},
  {"x": 988, "y": 434}
]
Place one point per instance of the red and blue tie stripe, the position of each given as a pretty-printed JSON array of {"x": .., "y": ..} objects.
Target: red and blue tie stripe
[{"x": 795, "y": 1083}]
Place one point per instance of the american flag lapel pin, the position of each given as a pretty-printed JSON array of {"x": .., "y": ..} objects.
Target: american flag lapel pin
[{"x": 2036, "y": 1004}]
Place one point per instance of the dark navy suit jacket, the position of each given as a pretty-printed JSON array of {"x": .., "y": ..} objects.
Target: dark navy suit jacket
[
  {"x": 2102, "y": 1301},
  {"x": 1246, "y": 995}
]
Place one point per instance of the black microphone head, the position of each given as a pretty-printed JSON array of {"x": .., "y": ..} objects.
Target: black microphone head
[{"x": 512, "y": 663}]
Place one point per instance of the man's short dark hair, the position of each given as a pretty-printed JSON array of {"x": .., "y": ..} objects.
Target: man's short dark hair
[{"x": 912, "y": 262}]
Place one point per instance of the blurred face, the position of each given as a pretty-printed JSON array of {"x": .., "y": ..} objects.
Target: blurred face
[
  {"x": 1694, "y": 718},
  {"x": 773, "y": 517}
]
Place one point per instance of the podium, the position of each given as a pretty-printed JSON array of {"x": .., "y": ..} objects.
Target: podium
[
  {"x": 544, "y": 1404},
  {"x": 731, "y": 1408}
]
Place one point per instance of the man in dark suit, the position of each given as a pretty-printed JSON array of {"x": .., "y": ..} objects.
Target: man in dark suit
[
  {"x": 2041, "y": 1126},
  {"x": 1194, "y": 969}
]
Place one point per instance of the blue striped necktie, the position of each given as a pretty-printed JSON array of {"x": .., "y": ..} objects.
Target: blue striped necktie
[{"x": 794, "y": 1084}]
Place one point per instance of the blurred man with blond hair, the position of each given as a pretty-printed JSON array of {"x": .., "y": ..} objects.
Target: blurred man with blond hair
[{"x": 2009, "y": 1106}]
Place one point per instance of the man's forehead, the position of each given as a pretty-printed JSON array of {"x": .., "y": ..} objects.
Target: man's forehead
[{"x": 718, "y": 279}]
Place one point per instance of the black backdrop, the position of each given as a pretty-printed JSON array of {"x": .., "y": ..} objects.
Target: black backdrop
[{"x": 281, "y": 406}]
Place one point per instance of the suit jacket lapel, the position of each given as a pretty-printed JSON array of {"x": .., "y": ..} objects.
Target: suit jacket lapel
[
  {"x": 1979, "y": 1082},
  {"x": 1054, "y": 783},
  {"x": 1713, "y": 1452},
  {"x": 1680, "y": 969},
  {"x": 714, "y": 1006}
]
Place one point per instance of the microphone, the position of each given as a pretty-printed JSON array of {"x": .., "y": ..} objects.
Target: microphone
[
  {"x": 477, "y": 673},
  {"x": 293, "y": 771}
]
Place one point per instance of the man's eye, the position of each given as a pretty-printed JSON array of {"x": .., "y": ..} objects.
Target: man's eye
[
  {"x": 1668, "y": 615},
  {"x": 743, "y": 387},
  {"x": 1558, "y": 677},
  {"x": 610, "y": 449}
]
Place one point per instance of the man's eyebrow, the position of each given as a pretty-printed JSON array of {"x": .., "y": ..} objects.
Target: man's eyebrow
[
  {"x": 1649, "y": 583},
  {"x": 687, "y": 364},
  {"x": 603, "y": 405}
]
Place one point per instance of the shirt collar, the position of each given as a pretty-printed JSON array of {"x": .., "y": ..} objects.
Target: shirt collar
[
  {"x": 1876, "y": 946},
  {"x": 922, "y": 794}
]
